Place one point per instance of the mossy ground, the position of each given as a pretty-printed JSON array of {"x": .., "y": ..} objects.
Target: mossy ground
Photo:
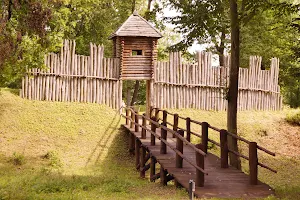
[{"x": 76, "y": 151}]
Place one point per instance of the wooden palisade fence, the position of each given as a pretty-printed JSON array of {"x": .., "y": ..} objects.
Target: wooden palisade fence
[
  {"x": 76, "y": 78},
  {"x": 203, "y": 86}
]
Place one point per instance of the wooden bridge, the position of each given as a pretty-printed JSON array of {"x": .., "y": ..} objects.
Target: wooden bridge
[{"x": 152, "y": 142}]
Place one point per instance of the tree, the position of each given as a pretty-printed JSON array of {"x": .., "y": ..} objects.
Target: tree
[
  {"x": 201, "y": 22},
  {"x": 205, "y": 21}
]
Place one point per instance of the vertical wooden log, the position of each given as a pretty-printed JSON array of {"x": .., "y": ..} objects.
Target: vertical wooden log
[
  {"x": 165, "y": 115},
  {"x": 143, "y": 136},
  {"x": 253, "y": 162},
  {"x": 152, "y": 168},
  {"x": 142, "y": 162},
  {"x": 137, "y": 152},
  {"x": 163, "y": 146},
  {"x": 136, "y": 127},
  {"x": 200, "y": 163},
  {"x": 153, "y": 129},
  {"x": 188, "y": 129},
  {"x": 132, "y": 119},
  {"x": 127, "y": 115},
  {"x": 175, "y": 126},
  {"x": 224, "y": 148},
  {"x": 204, "y": 126},
  {"x": 179, "y": 147}
]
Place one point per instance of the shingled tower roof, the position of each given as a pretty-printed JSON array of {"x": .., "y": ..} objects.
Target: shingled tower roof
[{"x": 136, "y": 26}]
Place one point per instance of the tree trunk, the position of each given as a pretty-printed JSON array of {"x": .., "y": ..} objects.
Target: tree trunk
[
  {"x": 221, "y": 48},
  {"x": 233, "y": 84},
  {"x": 128, "y": 97},
  {"x": 133, "y": 6},
  {"x": 135, "y": 93}
]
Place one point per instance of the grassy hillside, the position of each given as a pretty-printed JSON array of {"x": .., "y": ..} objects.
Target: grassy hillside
[{"x": 54, "y": 150}]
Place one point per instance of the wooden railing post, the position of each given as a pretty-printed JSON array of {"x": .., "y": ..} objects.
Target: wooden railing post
[
  {"x": 143, "y": 136},
  {"x": 188, "y": 129},
  {"x": 136, "y": 127},
  {"x": 127, "y": 115},
  {"x": 179, "y": 147},
  {"x": 253, "y": 162},
  {"x": 175, "y": 126},
  {"x": 137, "y": 153},
  {"x": 165, "y": 115},
  {"x": 200, "y": 163},
  {"x": 153, "y": 129},
  {"x": 132, "y": 119},
  {"x": 224, "y": 148},
  {"x": 163, "y": 146},
  {"x": 204, "y": 137}
]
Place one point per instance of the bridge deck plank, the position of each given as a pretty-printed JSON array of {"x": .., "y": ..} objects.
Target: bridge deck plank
[{"x": 222, "y": 183}]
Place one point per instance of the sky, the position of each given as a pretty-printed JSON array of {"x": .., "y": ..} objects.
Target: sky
[{"x": 169, "y": 12}]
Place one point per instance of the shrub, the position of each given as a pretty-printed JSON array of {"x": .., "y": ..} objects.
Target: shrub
[
  {"x": 294, "y": 119},
  {"x": 18, "y": 159}
]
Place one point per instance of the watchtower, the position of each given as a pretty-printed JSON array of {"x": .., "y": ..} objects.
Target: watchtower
[{"x": 135, "y": 43}]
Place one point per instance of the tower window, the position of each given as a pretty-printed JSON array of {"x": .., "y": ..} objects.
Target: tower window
[{"x": 137, "y": 52}]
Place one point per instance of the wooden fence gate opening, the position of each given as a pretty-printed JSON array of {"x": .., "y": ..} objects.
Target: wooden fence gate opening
[{"x": 175, "y": 84}]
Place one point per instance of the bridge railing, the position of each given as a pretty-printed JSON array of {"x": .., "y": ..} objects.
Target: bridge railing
[
  {"x": 224, "y": 149},
  {"x": 133, "y": 120}
]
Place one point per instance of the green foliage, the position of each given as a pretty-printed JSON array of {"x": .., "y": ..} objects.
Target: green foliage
[
  {"x": 293, "y": 118},
  {"x": 18, "y": 159},
  {"x": 30, "y": 29},
  {"x": 54, "y": 160}
]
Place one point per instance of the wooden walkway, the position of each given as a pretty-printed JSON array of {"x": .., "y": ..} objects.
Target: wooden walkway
[{"x": 219, "y": 182}]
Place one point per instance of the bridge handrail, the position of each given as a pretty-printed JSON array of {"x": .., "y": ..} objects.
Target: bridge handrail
[
  {"x": 168, "y": 144},
  {"x": 173, "y": 132},
  {"x": 218, "y": 144}
]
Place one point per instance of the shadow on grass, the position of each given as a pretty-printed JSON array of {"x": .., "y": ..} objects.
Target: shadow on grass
[{"x": 108, "y": 133}]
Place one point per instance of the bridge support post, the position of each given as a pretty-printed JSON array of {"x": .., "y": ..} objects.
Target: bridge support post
[
  {"x": 204, "y": 127},
  {"x": 143, "y": 136},
  {"x": 153, "y": 129},
  {"x": 127, "y": 115},
  {"x": 175, "y": 126},
  {"x": 188, "y": 129},
  {"x": 224, "y": 148},
  {"x": 136, "y": 127},
  {"x": 179, "y": 147},
  {"x": 163, "y": 146},
  {"x": 199, "y": 163},
  {"x": 142, "y": 162},
  {"x": 163, "y": 176},
  {"x": 253, "y": 162},
  {"x": 152, "y": 168},
  {"x": 137, "y": 153}
]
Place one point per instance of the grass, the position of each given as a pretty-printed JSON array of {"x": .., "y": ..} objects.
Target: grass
[
  {"x": 293, "y": 118},
  {"x": 76, "y": 151},
  {"x": 72, "y": 151}
]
